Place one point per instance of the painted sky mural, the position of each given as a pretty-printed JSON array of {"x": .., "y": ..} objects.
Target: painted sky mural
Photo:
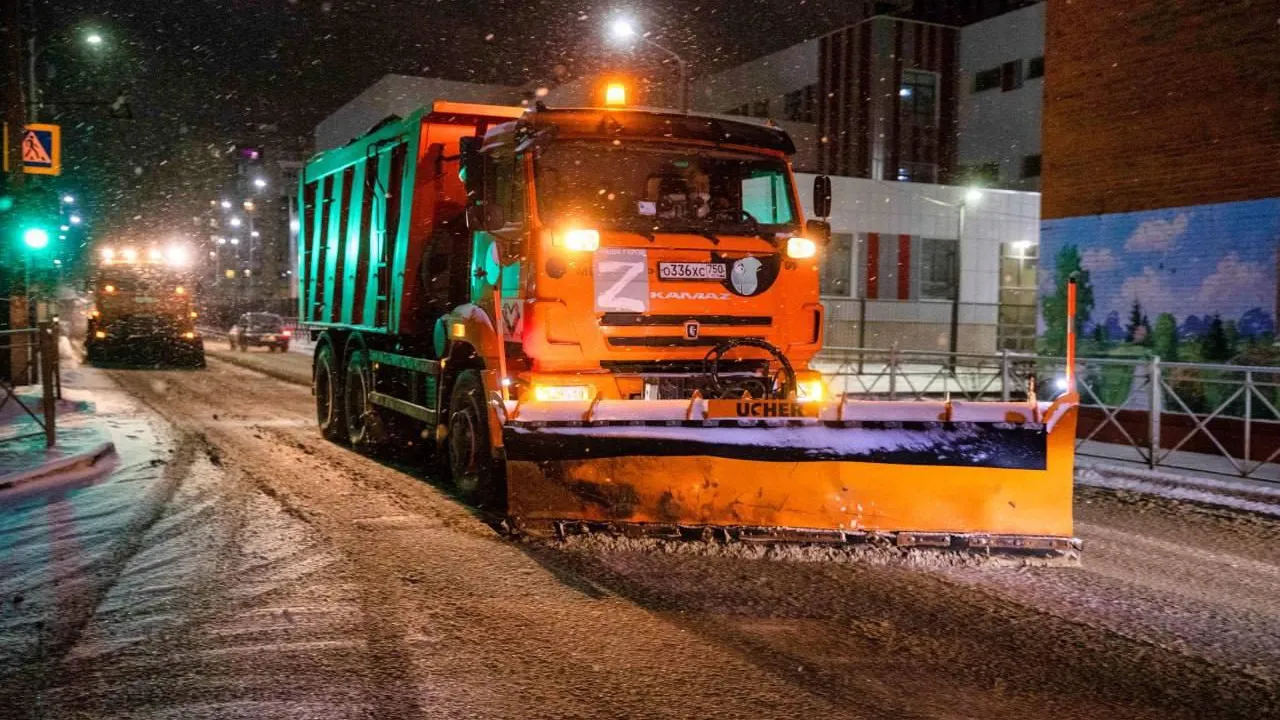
[{"x": 1193, "y": 263}]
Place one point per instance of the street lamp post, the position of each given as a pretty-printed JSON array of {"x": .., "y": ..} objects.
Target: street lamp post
[
  {"x": 93, "y": 39},
  {"x": 971, "y": 197},
  {"x": 623, "y": 30}
]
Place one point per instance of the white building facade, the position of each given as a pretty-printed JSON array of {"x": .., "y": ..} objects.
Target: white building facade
[{"x": 1001, "y": 95}]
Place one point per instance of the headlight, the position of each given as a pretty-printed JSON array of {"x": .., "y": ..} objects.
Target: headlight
[
  {"x": 189, "y": 335},
  {"x": 580, "y": 240},
  {"x": 810, "y": 391},
  {"x": 561, "y": 393},
  {"x": 801, "y": 247}
]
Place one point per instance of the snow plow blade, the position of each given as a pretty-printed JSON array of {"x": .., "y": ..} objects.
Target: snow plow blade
[{"x": 958, "y": 475}]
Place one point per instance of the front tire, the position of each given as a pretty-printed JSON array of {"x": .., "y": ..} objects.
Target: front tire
[
  {"x": 326, "y": 384},
  {"x": 471, "y": 463}
]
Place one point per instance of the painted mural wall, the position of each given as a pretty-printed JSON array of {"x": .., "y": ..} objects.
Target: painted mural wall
[{"x": 1191, "y": 283}]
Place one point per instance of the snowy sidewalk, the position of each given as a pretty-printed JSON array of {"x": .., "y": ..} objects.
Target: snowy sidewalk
[
  {"x": 59, "y": 530},
  {"x": 82, "y": 438},
  {"x": 82, "y": 442}
]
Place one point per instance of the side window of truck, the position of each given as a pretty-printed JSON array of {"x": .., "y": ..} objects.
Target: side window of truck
[{"x": 509, "y": 189}]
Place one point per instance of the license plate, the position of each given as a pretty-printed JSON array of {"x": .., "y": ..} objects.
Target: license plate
[
  {"x": 760, "y": 409},
  {"x": 144, "y": 300},
  {"x": 691, "y": 271}
]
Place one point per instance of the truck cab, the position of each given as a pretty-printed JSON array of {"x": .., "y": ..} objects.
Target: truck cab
[
  {"x": 627, "y": 245},
  {"x": 143, "y": 310}
]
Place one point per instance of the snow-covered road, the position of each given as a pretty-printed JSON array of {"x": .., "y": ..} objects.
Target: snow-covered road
[{"x": 263, "y": 573}]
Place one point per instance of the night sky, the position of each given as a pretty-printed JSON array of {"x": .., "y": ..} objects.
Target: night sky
[{"x": 201, "y": 75}]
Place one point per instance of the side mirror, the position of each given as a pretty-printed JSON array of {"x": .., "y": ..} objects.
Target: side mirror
[
  {"x": 472, "y": 166},
  {"x": 818, "y": 230},
  {"x": 822, "y": 196},
  {"x": 477, "y": 174}
]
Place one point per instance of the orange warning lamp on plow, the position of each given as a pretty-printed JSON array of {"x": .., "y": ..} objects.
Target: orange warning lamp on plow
[{"x": 605, "y": 319}]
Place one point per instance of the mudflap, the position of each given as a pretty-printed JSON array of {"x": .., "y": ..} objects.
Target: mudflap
[{"x": 983, "y": 485}]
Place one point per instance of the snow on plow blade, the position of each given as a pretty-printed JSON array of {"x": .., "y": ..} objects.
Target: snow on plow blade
[{"x": 977, "y": 475}]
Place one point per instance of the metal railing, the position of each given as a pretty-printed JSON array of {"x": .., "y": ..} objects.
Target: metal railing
[
  {"x": 1222, "y": 419},
  {"x": 33, "y": 355}
]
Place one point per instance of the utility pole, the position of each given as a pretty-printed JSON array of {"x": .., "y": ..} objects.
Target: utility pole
[{"x": 15, "y": 104}]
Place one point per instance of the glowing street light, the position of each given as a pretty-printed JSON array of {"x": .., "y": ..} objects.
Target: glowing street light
[
  {"x": 69, "y": 199},
  {"x": 93, "y": 39},
  {"x": 226, "y": 204},
  {"x": 622, "y": 29},
  {"x": 75, "y": 219},
  {"x": 259, "y": 183},
  {"x": 235, "y": 222},
  {"x": 64, "y": 228},
  {"x": 973, "y": 196}
]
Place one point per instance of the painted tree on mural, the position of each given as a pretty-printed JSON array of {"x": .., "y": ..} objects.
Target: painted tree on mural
[
  {"x": 1054, "y": 305},
  {"x": 1165, "y": 340}
]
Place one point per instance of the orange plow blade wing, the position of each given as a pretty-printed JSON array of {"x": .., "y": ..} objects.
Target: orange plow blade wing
[{"x": 944, "y": 482}]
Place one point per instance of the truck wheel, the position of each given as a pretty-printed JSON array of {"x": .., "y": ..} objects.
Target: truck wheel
[
  {"x": 327, "y": 387},
  {"x": 471, "y": 463},
  {"x": 364, "y": 426}
]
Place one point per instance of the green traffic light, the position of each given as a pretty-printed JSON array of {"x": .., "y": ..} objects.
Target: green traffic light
[{"x": 35, "y": 238}]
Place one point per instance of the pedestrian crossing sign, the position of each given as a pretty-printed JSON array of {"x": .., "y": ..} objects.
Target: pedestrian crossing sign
[{"x": 42, "y": 149}]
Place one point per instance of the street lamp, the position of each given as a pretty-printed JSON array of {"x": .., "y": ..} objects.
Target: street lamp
[
  {"x": 622, "y": 29},
  {"x": 69, "y": 199},
  {"x": 226, "y": 204},
  {"x": 259, "y": 183},
  {"x": 235, "y": 222},
  {"x": 75, "y": 219},
  {"x": 93, "y": 39},
  {"x": 972, "y": 197}
]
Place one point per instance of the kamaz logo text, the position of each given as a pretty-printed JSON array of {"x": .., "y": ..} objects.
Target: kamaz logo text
[{"x": 655, "y": 295}]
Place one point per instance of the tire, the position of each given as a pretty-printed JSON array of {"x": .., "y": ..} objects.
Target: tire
[
  {"x": 475, "y": 473},
  {"x": 365, "y": 428},
  {"x": 326, "y": 384}
]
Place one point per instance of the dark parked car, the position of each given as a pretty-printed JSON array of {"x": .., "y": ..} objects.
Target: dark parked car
[{"x": 259, "y": 330}]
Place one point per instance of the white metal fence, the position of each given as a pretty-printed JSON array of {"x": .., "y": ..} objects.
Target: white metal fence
[{"x": 1222, "y": 419}]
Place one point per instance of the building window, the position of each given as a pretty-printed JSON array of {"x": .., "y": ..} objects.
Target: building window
[
  {"x": 1031, "y": 166},
  {"x": 1011, "y": 75},
  {"x": 837, "y": 266},
  {"x": 921, "y": 172},
  {"x": 799, "y": 105},
  {"x": 918, "y": 97},
  {"x": 986, "y": 80},
  {"x": 1035, "y": 67},
  {"x": 937, "y": 269},
  {"x": 981, "y": 174}
]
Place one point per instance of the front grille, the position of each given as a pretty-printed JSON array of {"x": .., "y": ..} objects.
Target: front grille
[
  {"x": 619, "y": 319},
  {"x": 681, "y": 367},
  {"x": 666, "y": 342}
]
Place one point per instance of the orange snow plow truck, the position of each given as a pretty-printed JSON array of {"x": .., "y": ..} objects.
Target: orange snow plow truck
[{"x": 603, "y": 319}]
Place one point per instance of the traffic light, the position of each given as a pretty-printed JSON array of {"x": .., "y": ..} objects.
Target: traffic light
[{"x": 35, "y": 238}]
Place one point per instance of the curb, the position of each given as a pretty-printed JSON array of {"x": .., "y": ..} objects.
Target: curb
[
  {"x": 231, "y": 359},
  {"x": 1260, "y": 499},
  {"x": 60, "y": 466}
]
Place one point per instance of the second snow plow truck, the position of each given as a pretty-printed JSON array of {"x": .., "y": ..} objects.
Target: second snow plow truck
[{"x": 604, "y": 319}]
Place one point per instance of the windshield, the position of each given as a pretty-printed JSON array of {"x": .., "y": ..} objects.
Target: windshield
[
  {"x": 663, "y": 188},
  {"x": 263, "y": 321}
]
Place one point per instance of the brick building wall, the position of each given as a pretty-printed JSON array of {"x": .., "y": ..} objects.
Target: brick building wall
[{"x": 1159, "y": 104}]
